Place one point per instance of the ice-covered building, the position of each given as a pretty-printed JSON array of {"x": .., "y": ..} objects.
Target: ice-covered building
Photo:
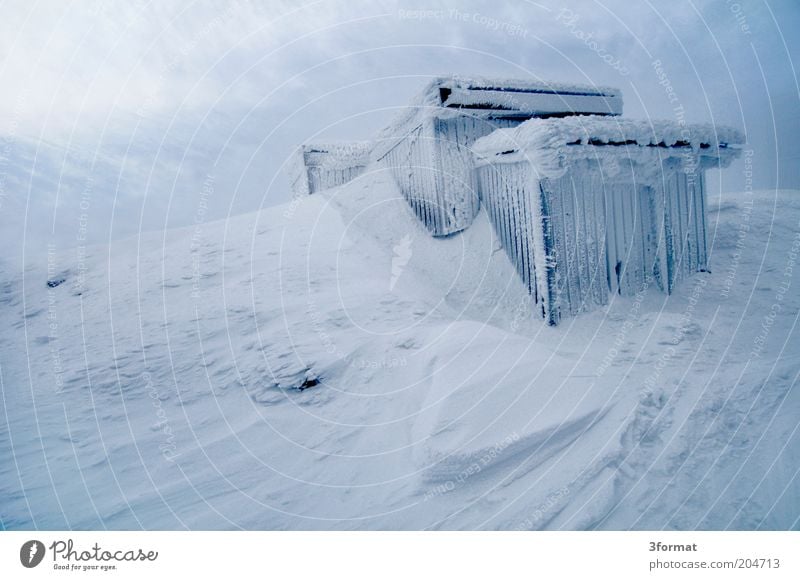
[
  {"x": 319, "y": 166},
  {"x": 427, "y": 148},
  {"x": 585, "y": 203},
  {"x": 588, "y": 206}
]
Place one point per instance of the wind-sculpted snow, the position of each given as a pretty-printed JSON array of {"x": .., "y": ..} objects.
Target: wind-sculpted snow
[{"x": 284, "y": 370}]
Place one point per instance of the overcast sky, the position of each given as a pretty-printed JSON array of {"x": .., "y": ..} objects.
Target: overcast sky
[{"x": 116, "y": 119}]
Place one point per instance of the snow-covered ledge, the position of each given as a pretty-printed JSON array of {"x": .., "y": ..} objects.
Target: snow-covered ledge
[
  {"x": 318, "y": 166},
  {"x": 552, "y": 144}
]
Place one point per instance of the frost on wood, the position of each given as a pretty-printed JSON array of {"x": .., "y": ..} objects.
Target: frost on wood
[
  {"x": 428, "y": 147},
  {"x": 587, "y": 206},
  {"x": 319, "y": 166}
]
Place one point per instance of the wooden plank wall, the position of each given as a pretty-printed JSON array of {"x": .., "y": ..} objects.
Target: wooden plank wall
[
  {"x": 576, "y": 239},
  {"x": 457, "y": 184},
  {"x": 414, "y": 168},
  {"x": 320, "y": 178},
  {"x": 434, "y": 168},
  {"x": 630, "y": 222},
  {"x": 683, "y": 199},
  {"x": 508, "y": 203},
  {"x": 576, "y": 208}
]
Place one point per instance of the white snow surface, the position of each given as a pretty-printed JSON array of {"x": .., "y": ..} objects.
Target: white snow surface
[{"x": 157, "y": 387}]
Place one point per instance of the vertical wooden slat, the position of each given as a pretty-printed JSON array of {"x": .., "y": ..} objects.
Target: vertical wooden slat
[
  {"x": 632, "y": 257},
  {"x": 522, "y": 183},
  {"x": 689, "y": 229},
  {"x": 610, "y": 239},
  {"x": 557, "y": 219},
  {"x": 551, "y": 301},
  {"x": 620, "y": 233},
  {"x": 680, "y": 221},
  {"x": 601, "y": 210},
  {"x": 641, "y": 215},
  {"x": 702, "y": 246},
  {"x": 572, "y": 243},
  {"x": 590, "y": 247},
  {"x": 669, "y": 236},
  {"x": 523, "y": 219},
  {"x": 639, "y": 236}
]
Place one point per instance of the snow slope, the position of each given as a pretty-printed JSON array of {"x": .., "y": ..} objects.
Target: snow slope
[{"x": 327, "y": 364}]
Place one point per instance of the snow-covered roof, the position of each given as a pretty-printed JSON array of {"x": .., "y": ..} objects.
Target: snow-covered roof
[
  {"x": 449, "y": 96},
  {"x": 503, "y": 96},
  {"x": 337, "y": 154},
  {"x": 550, "y": 143},
  {"x": 330, "y": 155},
  {"x": 524, "y": 96}
]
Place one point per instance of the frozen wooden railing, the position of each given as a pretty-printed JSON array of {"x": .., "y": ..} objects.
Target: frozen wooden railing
[
  {"x": 428, "y": 147},
  {"x": 587, "y": 206},
  {"x": 319, "y": 166}
]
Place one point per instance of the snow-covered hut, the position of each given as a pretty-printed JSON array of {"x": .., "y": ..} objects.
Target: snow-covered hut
[
  {"x": 588, "y": 206},
  {"x": 427, "y": 148},
  {"x": 323, "y": 165}
]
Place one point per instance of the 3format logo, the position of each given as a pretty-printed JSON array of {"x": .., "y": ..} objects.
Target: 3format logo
[{"x": 31, "y": 553}]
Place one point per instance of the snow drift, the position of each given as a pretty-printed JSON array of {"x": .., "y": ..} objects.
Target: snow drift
[{"x": 327, "y": 364}]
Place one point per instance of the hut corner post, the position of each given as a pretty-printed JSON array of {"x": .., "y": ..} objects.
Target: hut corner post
[{"x": 544, "y": 238}]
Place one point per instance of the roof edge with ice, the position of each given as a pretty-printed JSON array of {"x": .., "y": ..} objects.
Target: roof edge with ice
[
  {"x": 548, "y": 143},
  {"x": 328, "y": 155},
  {"x": 448, "y": 96},
  {"x": 335, "y": 154},
  {"x": 338, "y": 148},
  {"x": 520, "y": 85}
]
